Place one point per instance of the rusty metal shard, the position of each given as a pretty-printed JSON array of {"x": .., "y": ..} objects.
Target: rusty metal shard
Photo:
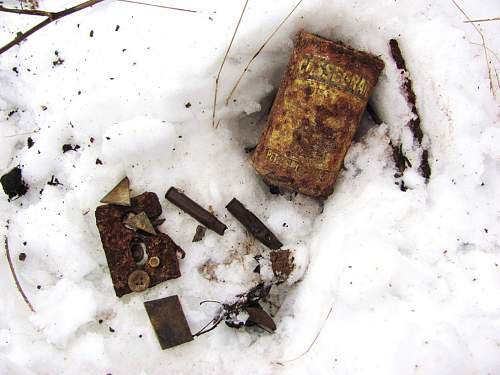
[
  {"x": 262, "y": 319},
  {"x": 200, "y": 233},
  {"x": 168, "y": 321},
  {"x": 316, "y": 112},
  {"x": 140, "y": 221},
  {"x": 119, "y": 243},
  {"x": 119, "y": 195}
]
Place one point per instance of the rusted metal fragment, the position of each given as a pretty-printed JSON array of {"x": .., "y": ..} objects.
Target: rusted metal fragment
[
  {"x": 282, "y": 263},
  {"x": 257, "y": 316},
  {"x": 168, "y": 321},
  {"x": 253, "y": 224},
  {"x": 122, "y": 245},
  {"x": 119, "y": 195},
  {"x": 195, "y": 210},
  {"x": 315, "y": 115},
  {"x": 140, "y": 222},
  {"x": 200, "y": 233}
]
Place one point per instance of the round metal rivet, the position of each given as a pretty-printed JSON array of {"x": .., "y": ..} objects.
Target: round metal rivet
[
  {"x": 154, "y": 262},
  {"x": 138, "y": 281}
]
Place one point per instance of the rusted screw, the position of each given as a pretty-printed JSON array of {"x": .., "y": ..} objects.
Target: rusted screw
[
  {"x": 154, "y": 262},
  {"x": 138, "y": 281}
]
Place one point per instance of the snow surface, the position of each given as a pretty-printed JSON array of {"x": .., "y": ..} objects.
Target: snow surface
[{"x": 412, "y": 277}]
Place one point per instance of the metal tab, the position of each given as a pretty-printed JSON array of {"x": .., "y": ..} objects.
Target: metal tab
[{"x": 168, "y": 321}]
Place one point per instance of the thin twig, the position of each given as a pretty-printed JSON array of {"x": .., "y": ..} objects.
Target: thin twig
[
  {"x": 159, "y": 6},
  {"x": 484, "y": 20},
  {"x": 18, "y": 285},
  {"x": 492, "y": 89},
  {"x": 259, "y": 51},
  {"x": 282, "y": 363},
  {"x": 30, "y": 12},
  {"x": 20, "y": 134},
  {"x": 51, "y": 17},
  {"x": 223, "y": 62},
  {"x": 215, "y": 322}
]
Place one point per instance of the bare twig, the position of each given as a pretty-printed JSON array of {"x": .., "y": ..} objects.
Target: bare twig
[
  {"x": 484, "y": 20},
  {"x": 51, "y": 17},
  {"x": 21, "y": 134},
  {"x": 159, "y": 6},
  {"x": 31, "y": 12},
  {"x": 483, "y": 43},
  {"x": 259, "y": 51},
  {"x": 18, "y": 285},
  {"x": 223, "y": 62},
  {"x": 282, "y": 363}
]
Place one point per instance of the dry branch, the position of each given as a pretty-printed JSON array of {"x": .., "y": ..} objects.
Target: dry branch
[
  {"x": 223, "y": 62},
  {"x": 54, "y": 16},
  {"x": 18, "y": 285},
  {"x": 51, "y": 17},
  {"x": 259, "y": 51}
]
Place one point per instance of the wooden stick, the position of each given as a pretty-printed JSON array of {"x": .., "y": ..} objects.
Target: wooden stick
[
  {"x": 259, "y": 51},
  {"x": 18, "y": 285},
  {"x": 222, "y": 65},
  {"x": 51, "y": 17}
]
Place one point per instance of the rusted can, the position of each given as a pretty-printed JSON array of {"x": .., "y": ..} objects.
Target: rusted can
[{"x": 316, "y": 112}]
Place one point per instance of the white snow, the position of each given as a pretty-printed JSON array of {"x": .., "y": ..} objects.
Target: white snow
[{"x": 412, "y": 277}]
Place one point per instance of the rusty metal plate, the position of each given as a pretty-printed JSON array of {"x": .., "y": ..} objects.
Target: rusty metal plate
[
  {"x": 128, "y": 250},
  {"x": 316, "y": 112},
  {"x": 168, "y": 321}
]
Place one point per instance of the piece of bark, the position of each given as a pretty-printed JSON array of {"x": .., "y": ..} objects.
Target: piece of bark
[
  {"x": 252, "y": 223},
  {"x": 195, "y": 210}
]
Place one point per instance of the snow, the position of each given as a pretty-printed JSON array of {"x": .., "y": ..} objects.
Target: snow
[{"x": 412, "y": 277}]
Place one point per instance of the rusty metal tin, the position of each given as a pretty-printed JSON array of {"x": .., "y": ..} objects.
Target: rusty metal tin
[{"x": 316, "y": 112}]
